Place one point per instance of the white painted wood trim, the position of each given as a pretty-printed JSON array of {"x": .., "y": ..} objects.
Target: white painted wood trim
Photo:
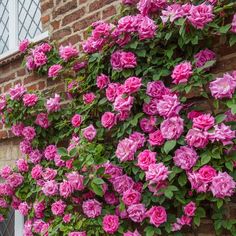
[
  {"x": 13, "y": 24},
  {"x": 19, "y": 224}
]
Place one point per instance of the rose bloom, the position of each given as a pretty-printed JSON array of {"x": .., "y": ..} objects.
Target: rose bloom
[
  {"x": 148, "y": 125},
  {"x": 145, "y": 158},
  {"x": 200, "y": 15},
  {"x": 22, "y": 165},
  {"x": 157, "y": 215},
  {"x": 196, "y": 183},
  {"x": 50, "y": 188},
  {"x": 206, "y": 173},
  {"x": 233, "y": 25},
  {"x": 30, "y": 63},
  {"x": 24, "y": 208},
  {"x": 49, "y": 174},
  {"x": 190, "y": 209},
  {"x": 110, "y": 223},
  {"x": 53, "y": 104},
  {"x": 123, "y": 104},
  {"x": 67, "y": 52},
  {"x": 44, "y": 47},
  {"x": 24, "y": 45},
  {"x": 138, "y": 138},
  {"x": 203, "y": 56},
  {"x": 3, "y": 102},
  {"x": 54, "y": 70},
  {"x": 185, "y": 157},
  {"x": 40, "y": 227},
  {"x": 58, "y": 208},
  {"x": 156, "y": 138},
  {"x": 112, "y": 91},
  {"x": 147, "y": 28},
  {"x": 136, "y": 212},
  {"x": 129, "y": 233},
  {"x": 196, "y": 138},
  {"x": 182, "y": 72},
  {"x": 102, "y": 81},
  {"x": 204, "y": 121},
  {"x": 156, "y": 89},
  {"x": 126, "y": 149},
  {"x": 172, "y": 128},
  {"x": 108, "y": 120},
  {"x": 17, "y": 92},
  {"x": 168, "y": 106},
  {"x": 40, "y": 58},
  {"x": 110, "y": 198},
  {"x": 223, "y": 87},
  {"x": 222, "y": 133},
  {"x": 132, "y": 85},
  {"x": 29, "y": 133},
  {"x": 145, "y": 7},
  {"x": 79, "y": 65},
  {"x": 50, "y": 152},
  {"x": 36, "y": 172},
  {"x": 131, "y": 197},
  {"x": 92, "y": 208},
  {"x": 76, "y": 120},
  {"x": 5, "y": 172},
  {"x": 65, "y": 189},
  {"x": 25, "y": 147},
  {"x": 15, "y": 180},
  {"x": 122, "y": 183},
  {"x": 112, "y": 170},
  {"x": 223, "y": 185},
  {"x": 194, "y": 114},
  {"x": 88, "y": 98},
  {"x": 42, "y": 120},
  {"x": 151, "y": 108},
  {"x": 66, "y": 218},
  {"x": 156, "y": 173},
  {"x": 77, "y": 234},
  {"x": 39, "y": 207},
  {"x": 76, "y": 180},
  {"x": 184, "y": 220},
  {"x": 30, "y": 100},
  {"x": 89, "y": 133}
]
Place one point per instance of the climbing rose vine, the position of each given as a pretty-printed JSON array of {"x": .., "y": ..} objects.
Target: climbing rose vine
[{"x": 143, "y": 140}]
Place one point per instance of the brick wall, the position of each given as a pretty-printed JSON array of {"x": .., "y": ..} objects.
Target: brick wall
[{"x": 66, "y": 21}]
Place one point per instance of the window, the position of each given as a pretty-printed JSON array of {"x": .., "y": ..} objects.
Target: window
[
  {"x": 19, "y": 19},
  {"x": 13, "y": 225}
]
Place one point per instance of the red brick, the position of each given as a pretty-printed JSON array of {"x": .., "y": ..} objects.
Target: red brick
[
  {"x": 46, "y": 5},
  {"x": 21, "y": 72},
  {"x": 3, "y": 134},
  {"x": 73, "y": 16},
  {"x": 17, "y": 82},
  {"x": 74, "y": 39},
  {"x": 7, "y": 87},
  {"x": 65, "y": 8},
  {"x": 30, "y": 79},
  {"x": 84, "y": 23},
  {"x": 55, "y": 24},
  {"x": 45, "y": 19},
  {"x": 32, "y": 87},
  {"x": 108, "y": 12},
  {"x": 41, "y": 85},
  {"x": 98, "y": 4},
  {"x": 60, "y": 34}
]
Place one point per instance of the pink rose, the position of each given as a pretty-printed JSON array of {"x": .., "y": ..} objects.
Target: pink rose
[
  {"x": 49, "y": 174},
  {"x": 196, "y": 183},
  {"x": 156, "y": 138},
  {"x": 206, "y": 173},
  {"x": 88, "y": 98},
  {"x": 182, "y": 72},
  {"x": 15, "y": 180},
  {"x": 233, "y": 25},
  {"x": 108, "y": 120},
  {"x": 89, "y": 133},
  {"x": 24, "y": 208},
  {"x": 146, "y": 158},
  {"x": 77, "y": 234},
  {"x": 200, "y": 15},
  {"x": 40, "y": 58},
  {"x": 136, "y": 212},
  {"x": 76, "y": 120},
  {"x": 17, "y": 92},
  {"x": 76, "y": 180},
  {"x": 157, "y": 215},
  {"x": 131, "y": 197},
  {"x": 151, "y": 108},
  {"x": 67, "y": 218},
  {"x": 110, "y": 223},
  {"x": 29, "y": 133},
  {"x": 122, "y": 183},
  {"x": 30, "y": 65},
  {"x": 30, "y": 100},
  {"x": 39, "y": 207},
  {"x": 54, "y": 70},
  {"x": 44, "y": 47},
  {"x": 110, "y": 198},
  {"x": 50, "y": 152},
  {"x": 25, "y": 147},
  {"x": 138, "y": 138},
  {"x": 121, "y": 60},
  {"x": 36, "y": 172},
  {"x": 50, "y": 188},
  {"x": 196, "y": 138},
  {"x": 53, "y": 104},
  {"x": 22, "y": 165},
  {"x": 223, "y": 185},
  {"x": 147, "y": 28},
  {"x": 156, "y": 173},
  {"x": 5, "y": 172},
  {"x": 58, "y": 208},
  {"x": 172, "y": 13},
  {"x": 132, "y": 85},
  {"x": 204, "y": 121},
  {"x": 3, "y": 102},
  {"x": 42, "y": 120},
  {"x": 190, "y": 209},
  {"x": 172, "y": 128},
  {"x": 148, "y": 125},
  {"x": 126, "y": 149},
  {"x": 156, "y": 89},
  {"x": 67, "y": 52},
  {"x": 194, "y": 114},
  {"x": 112, "y": 91},
  {"x": 145, "y": 6},
  {"x": 203, "y": 56},
  {"x": 112, "y": 170},
  {"x": 129, "y": 233},
  {"x": 102, "y": 81},
  {"x": 65, "y": 189},
  {"x": 185, "y": 157},
  {"x": 92, "y": 208},
  {"x": 123, "y": 104},
  {"x": 24, "y": 45}
]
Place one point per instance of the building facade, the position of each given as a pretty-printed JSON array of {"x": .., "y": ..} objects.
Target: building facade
[{"x": 66, "y": 22}]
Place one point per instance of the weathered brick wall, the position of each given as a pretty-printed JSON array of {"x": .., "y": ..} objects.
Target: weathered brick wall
[{"x": 66, "y": 21}]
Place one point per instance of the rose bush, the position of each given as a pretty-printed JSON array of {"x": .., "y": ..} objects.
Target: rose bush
[{"x": 129, "y": 149}]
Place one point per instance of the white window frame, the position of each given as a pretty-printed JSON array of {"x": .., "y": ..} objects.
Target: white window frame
[
  {"x": 13, "y": 42},
  {"x": 19, "y": 224}
]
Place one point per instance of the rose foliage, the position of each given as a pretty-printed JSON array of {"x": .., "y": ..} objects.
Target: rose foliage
[{"x": 143, "y": 141}]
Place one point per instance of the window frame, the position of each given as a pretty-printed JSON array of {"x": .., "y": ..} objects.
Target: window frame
[{"x": 13, "y": 42}]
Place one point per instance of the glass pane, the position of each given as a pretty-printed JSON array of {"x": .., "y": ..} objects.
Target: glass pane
[
  {"x": 4, "y": 33},
  {"x": 29, "y": 14},
  {"x": 7, "y": 226}
]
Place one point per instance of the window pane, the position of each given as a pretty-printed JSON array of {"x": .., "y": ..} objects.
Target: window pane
[
  {"x": 4, "y": 33},
  {"x": 29, "y": 19},
  {"x": 7, "y": 226}
]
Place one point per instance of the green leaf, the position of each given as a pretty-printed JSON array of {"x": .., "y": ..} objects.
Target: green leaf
[
  {"x": 168, "y": 193},
  {"x": 149, "y": 231},
  {"x": 62, "y": 151},
  {"x": 169, "y": 145},
  {"x": 196, "y": 220},
  {"x": 233, "y": 109},
  {"x": 229, "y": 165},
  {"x": 232, "y": 40},
  {"x": 219, "y": 118},
  {"x": 182, "y": 180},
  {"x": 205, "y": 159},
  {"x": 219, "y": 203},
  {"x": 97, "y": 189},
  {"x": 224, "y": 29},
  {"x": 98, "y": 181}
]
